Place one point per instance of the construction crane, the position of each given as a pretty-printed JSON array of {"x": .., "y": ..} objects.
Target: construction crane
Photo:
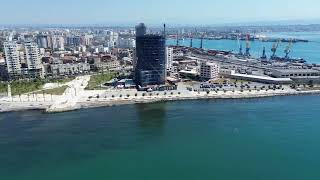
[
  {"x": 288, "y": 49},
  {"x": 274, "y": 49},
  {"x": 248, "y": 46}
]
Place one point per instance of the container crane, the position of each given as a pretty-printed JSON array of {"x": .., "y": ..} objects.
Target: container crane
[
  {"x": 240, "y": 46},
  {"x": 274, "y": 49},
  {"x": 177, "y": 39},
  {"x": 287, "y": 51},
  {"x": 264, "y": 56},
  {"x": 201, "y": 44},
  {"x": 248, "y": 46}
]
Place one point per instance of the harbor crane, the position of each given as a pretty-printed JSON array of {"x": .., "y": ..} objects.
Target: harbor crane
[
  {"x": 177, "y": 40},
  {"x": 248, "y": 46},
  {"x": 287, "y": 51},
  {"x": 264, "y": 56},
  {"x": 201, "y": 44},
  {"x": 240, "y": 46},
  {"x": 274, "y": 49}
]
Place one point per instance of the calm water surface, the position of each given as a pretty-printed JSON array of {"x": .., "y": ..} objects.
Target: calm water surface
[{"x": 271, "y": 138}]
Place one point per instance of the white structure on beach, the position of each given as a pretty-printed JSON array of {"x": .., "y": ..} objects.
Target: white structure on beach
[{"x": 209, "y": 70}]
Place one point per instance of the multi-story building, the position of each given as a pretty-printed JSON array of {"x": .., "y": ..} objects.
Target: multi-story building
[
  {"x": 12, "y": 58},
  {"x": 209, "y": 70},
  {"x": 57, "y": 42},
  {"x": 112, "y": 39},
  {"x": 112, "y": 64},
  {"x": 69, "y": 69},
  {"x": 150, "y": 63},
  {"x": 86, "y": 40},
  {"x": 33, "y": 60},
  {"x": 74, "y": 41},
  {"x": 128, "y": 43},
  {"x": 169, "y": 57},
  {"x": 43, "y": 41}
]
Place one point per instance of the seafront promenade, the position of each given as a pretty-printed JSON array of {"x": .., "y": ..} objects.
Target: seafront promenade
[{"x": 76, "y": 97}]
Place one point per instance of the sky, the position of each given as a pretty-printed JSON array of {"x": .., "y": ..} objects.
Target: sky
[{"x": 184, "y": 12}]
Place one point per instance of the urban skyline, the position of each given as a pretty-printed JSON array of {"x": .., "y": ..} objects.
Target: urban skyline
[{"x": 131, "y": 12}]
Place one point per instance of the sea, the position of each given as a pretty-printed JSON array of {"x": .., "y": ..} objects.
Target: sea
[
  {"x": 309, "y": 51},
  {"x": 243, "y": 139}
]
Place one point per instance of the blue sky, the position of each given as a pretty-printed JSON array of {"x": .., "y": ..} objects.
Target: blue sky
[{"x": 155, "y": 11}]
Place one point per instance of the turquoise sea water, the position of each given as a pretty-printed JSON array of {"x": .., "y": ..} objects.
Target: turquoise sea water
[
  {"x": 271, "y": 138},
  {"x": 309, "y": 51}
]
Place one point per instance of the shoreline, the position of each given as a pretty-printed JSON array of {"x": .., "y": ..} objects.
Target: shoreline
[
  {"x": 85, "y": 104},
  {"x": 96, "y": 104}
]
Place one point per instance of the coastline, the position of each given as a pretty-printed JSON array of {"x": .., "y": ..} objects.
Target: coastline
[
  {"x": 84, "y": 103},
  {"x": 95, "y": 104}
]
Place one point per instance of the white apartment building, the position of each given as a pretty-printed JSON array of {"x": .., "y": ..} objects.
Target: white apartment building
[
  {"x": 57, "y": 42},
  {"x": 69, "y": 69},
  {"x": 129, "y": 43},
  {"x": 12, "y": 58},
  {"x": 33, "y": 60},
  {"x": 209, "y": 70},
  {"x": 112, "y": 39},
  {"x": 32, "y": 55},
  {"x": 169, "y": 57}
]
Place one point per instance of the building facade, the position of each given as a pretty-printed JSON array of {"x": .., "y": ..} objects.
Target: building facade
[
  {"x": 150, "y": 64},
  {"x": 69, "y": 69},
  {"x": 169, "y": 57},
  {"x": 209, "y": 70},
  {"x": 32, "y": 57},
  {"x": 12, "y": 58}
]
